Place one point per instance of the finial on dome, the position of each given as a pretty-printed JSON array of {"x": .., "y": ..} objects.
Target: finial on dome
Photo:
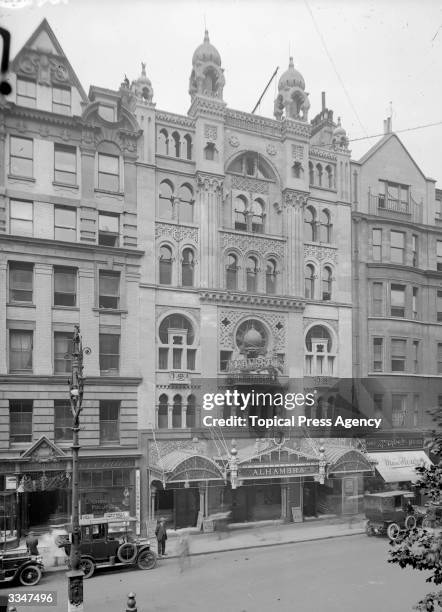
[
  {"x": 291, "y": 64},
  {"x": 143, "y": 69},
  {"x": 206, "y": 35}
]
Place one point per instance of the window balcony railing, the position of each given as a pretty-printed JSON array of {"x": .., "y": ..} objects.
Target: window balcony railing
[{"x": 380, "y": 204}]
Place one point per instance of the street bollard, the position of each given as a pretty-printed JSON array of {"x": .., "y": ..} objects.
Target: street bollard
[{"x": 131, "y": 605}]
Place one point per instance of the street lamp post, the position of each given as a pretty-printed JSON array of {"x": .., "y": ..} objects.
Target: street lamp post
[{"x": 76, "y": 384}]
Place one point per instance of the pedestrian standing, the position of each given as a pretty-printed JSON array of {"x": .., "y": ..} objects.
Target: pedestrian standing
[
  {"x": 161, "y": 534},
  {"x": 32, "y": 543}
]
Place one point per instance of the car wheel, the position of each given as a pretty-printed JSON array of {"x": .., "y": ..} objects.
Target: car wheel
[
  {"x": 30, "y": 575},
  {"x": 410, "y": 522},
  {"x": 146, "y": 560},
  {"x": 127, "y": 552},
  {"x": 393, "y": 531},
  {"x": 88, "y": 567}
]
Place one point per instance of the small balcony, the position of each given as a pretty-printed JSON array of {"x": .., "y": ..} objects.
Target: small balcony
[{"x": 381, "y": 205}]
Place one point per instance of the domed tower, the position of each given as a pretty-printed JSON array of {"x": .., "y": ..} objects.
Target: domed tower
[
  {"x": 292, "y": 100},
  {"x": 339, "y": 140},
  {"x": 207, "y": 78},
  {"x": 142, "y": 87}
]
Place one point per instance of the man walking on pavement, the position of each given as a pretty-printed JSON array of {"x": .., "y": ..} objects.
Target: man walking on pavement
[
  {"x": 32, "y": 543},
  {"x": 161, "y": 534}
]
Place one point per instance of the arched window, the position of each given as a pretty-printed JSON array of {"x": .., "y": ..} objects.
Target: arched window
[
  {"x": 190, "y": 412},
  {"x": 185, "y": 204},
  {"x": 188, "y": 140},
  {"x": 257, "y": 211},
  {"x": 176, "y": 411},
  {"x": 166, "y": 200},
  {"x": 252, "y": 274},
  {"x": 163, "y": 142},
  {"x": 309, "y": 224},
  {"x": 210, "y": 152},
  {"x": 309, "y": 282},
  {"x": 240, "y": 204},
  {"x": 319, "y": 174},
  {"x": 326, "y": 283},
  {"x": 271, "y": 271},
  {"x": 297, "y": 170},
  {"x": 320, "y": 356},
  {"x": 329, "y": 171},
  {"x": 176, "y": 144},
  {"x": 325, "y": 226},
  {"x": 210, "y": 81},
  {"x": 165, "y": 265},
  {"x": 311, "y": 174},
  {"x": 232, "y": 272},
  {"x": 176, "y": 337},
  {"x": 163, "y": 412},
  {"x": 187, "y": 268}
]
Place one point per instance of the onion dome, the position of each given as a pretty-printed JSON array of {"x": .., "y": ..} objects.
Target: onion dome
[
  {"x": 206, "y": 52},
  {"x": 339, "y": 131},
  {"x": 253, "y": 339},
  {"x": 291, "y": 78}
]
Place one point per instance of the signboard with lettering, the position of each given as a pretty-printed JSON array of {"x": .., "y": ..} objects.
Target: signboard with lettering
[
  {"x": 297, "y": 514},
  {"x": 255, "y": 364},
  {"x": 137, "y": 502},
  {"x": 116, "y": 516},
  {"x": 10, "y": 483},
  {"x": 387, "y": 444},
  {"x": 277, "y": 471}
]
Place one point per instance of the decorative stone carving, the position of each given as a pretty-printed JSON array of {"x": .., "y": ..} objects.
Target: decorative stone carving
[
  {"x": 208, "y": 182},
  {"x": 251, "y": 299},
  {"x": 295, "y": 128},
  {"x": 210, "y": 132},
  {"x": 249, "y": 184},
  {"x": 253, "y": 243},
  {"x": 271, "y": 149},
  {"x": 293, "y": 199},
  {"x": 252, "y": 123},
  {"x": 276, "y": 323},
  {"x": 48, "y": 70},
  {"x": 173, "y": 119},
  {"x": 320, "y": 253},
  {"x": 178, "y": 233},
  {"x": 330, "y": 322},
  {"x": 322, "y": 154},
  {"x": 298, "y": 152},
  {"x": 234, "y": 141}
]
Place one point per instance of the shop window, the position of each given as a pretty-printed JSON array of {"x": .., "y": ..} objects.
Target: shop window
[
  {"x": 397, "y": 247},
  {"x": 109, "y": 290},
  {"x": 163, "y": 412},
  {"x": 398, "y": 354},
  {"x": 190, "y": 411},
  {"x": 65, "y": 223},
  {"x": 63, "y": 347},
  {"x": 20, "y": 350},
  {"x": 232, "y": 272},
  {"x": 310, "y": 224},
  {"x": 397, "y": 300},
  {"x": 187, "y": 268},
  {"x": 65, "y": 286},
  {"x": 325, "y": 226},
  {"x": 21, "y": 279},
  {"x": 165, "y": 265},
  {"x": 252, "y": 274},
  {"x": 378, "y": 354},
  {"x": 62, "y": 421},
  {"x": 377, "y": 244},
  {"x": 109, "y": 354},
  {"x": 271, "y": 272},
  {"x": 65, "y": 164},
  {"x": 377, "y": 300},
  {"x": 309, "y": 280},
  {"x": 61, "y": 100},
  {"x": 108, "y": 172},
  {"x": 108, "y": 229},
  {"x": 109, "y": 421},
  {"x": 327, "y": 277},
  {"x": 20, "y": 420},
  {"x": 21, "y": 217},
  {"x": 21, "y": 157},
  {"x": 177, "y": 411},
  {"x": 398, "y": 410},
  {"x": 176, "y": 336},
  {"x": 26, "y": 92}
]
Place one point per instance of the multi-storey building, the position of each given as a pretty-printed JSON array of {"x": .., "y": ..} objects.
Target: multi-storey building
[
  {"x": 397, "y": 297},
  {"x": 68, "y": 255}
]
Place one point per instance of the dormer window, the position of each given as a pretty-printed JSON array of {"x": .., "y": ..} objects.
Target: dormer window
[
  {"x": 107, "y": 112},
  {"x": 61, "y": 100},
  {"x": 26, "y": 93}
]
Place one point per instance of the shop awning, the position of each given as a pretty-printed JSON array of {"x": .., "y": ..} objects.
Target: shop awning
[{"x": 400, "y": 466}]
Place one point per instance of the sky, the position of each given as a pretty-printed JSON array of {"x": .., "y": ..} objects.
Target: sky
[{"x": 369, "y": 56}]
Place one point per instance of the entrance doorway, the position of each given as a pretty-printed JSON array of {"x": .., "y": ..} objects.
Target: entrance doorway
[
  {"x": 187, "y": 505},
  {"x": 40, "y": 508}
]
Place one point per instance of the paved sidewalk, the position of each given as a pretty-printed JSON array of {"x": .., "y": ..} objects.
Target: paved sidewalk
[{"x": 255, "y": 536}]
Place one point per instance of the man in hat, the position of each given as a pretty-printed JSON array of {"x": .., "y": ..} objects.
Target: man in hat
[{"x": 161, "y": 534}]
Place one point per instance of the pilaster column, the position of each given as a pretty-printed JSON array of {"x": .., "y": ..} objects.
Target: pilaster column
[
  {"x": 3, "y": 330},
  {"x": 209, "y": 202},
  {"x": 89, "y": 320},
  {"x": 293, "y": 203},
  {"x": 42, "y": 357}
]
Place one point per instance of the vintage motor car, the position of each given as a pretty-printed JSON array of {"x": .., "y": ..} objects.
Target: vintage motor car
[
  {"x": 389, "y": 513},
  {"x": 100, "y": 548},
  {"x": 19, "y": 565}
]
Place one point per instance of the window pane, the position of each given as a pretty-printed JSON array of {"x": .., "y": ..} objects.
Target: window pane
[
  {"x": 62, "y": 420},
  {"x": 21, "y": 147},
  {"x": 20, "y": 420},
  {"x": 109, "y": 352},
  {"x": 65, "y": 158},
  {"x": 65, "y": 217},
  {"x": 65, "y": 234},
  {"x": 20, "y": 350},
  {"x": 20, "y": 282},
  {"x": 21, "y": 210},
  {"x": 108, "y": 223},
  {"x": 109, "y": 284},
  {"x": 191, "y": 354},
  {"x": 63, "y": 347},
  {"x": 61, "y": 95},
  {"x": 162, "y": 358},
  {"x": 108, "y": 163},
  {"x": 26, "y": 88},
  {"x": 109, "y": 421},
  {"x": 108, "y": 182}
]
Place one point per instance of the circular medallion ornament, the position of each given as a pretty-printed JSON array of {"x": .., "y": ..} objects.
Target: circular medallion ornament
[
  {"x": 271, "y": 149},
  {"x": 234, "y": 141}
]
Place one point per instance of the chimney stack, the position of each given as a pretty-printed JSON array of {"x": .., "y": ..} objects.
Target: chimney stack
[{"x": 323, "y": 100}]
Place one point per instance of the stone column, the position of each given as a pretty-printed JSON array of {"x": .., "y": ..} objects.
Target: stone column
[
  {"x": 209, "y": 202},
  {"x": 43, "y": 329},
  {"x": 293, "y": 210},
  {"x": 89, "y": 320},
  {"x": 3, "y": 330}
]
